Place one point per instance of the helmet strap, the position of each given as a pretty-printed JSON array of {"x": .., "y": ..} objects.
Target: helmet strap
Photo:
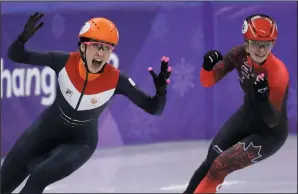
[{"x": 83, "y": 57}]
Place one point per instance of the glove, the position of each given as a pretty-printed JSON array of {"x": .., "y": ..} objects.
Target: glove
[
  {"x": 30, "y": 27},
  {"x": 162, "y": 79},
  {"x": 210, "y": 59},
  {"x": 261, "y": 89}
]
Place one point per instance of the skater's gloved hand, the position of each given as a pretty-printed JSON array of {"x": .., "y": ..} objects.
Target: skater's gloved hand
[
  {"x": 31, "y": 27},
  {"x": 211, "y": 58},
  {"x": 162, "y": 79},
  {"x": 261, "y": 89}
]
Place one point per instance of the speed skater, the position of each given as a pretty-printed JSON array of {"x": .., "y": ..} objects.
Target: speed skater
[
  {"x": 259, "y": 127},
  {"x": 65, "y": 135}
]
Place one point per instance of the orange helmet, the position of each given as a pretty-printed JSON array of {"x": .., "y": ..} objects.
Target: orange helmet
[
  {"x": 100, "y": 29},
  {"x": 259, "y": 27}
]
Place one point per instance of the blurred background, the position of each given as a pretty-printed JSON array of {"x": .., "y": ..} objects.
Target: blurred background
[{"x": 184, "y": 31}]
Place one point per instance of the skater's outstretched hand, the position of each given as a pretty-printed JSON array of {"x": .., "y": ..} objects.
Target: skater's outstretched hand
[
  {"x": 211, "y": 58},
  {"x": 30, "y": 28},
  {"x": 162, "y": 79},
  {"x": 261, "y": 89}
]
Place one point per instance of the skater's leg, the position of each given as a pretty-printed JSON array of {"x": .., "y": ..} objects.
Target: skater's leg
[
  {"x": 233, "y": 131},
  {"x": 33, "y": 144},
  {"x": 246, "y": 152},
  {"x": 64, "y": 160}
]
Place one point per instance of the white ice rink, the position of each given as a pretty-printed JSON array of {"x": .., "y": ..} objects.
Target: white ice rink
[{"x": 167, "y": 167}]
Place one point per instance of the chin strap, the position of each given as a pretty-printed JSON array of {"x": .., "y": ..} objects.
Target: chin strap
[{"x": 83, "y": 57}]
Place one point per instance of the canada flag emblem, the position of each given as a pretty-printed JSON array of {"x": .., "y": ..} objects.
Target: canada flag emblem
[{"x": 253, "y": 152}]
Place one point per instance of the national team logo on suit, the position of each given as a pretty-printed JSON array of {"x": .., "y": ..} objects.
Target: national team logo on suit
[
  {"x": 94, "y": 95},
  {"x": 68, "y": 92},
  {"x": 253, "y": 152},
  {"x": 94, "y": 100}
]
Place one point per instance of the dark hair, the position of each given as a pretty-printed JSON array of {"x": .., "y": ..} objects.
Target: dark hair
[{"x": 82, "y": 39}]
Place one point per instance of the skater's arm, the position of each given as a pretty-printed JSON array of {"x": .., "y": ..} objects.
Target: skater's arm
[
  {"x": 152, "y": 105},
  {"x": 220, "y": 70},
  {"x": 278, "y": 89},
  {"x": 53, "y": 59}
]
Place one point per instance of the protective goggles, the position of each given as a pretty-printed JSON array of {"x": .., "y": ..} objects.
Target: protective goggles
[
  {"x": 259, "y": 44},
  {"x": 100, "y": 46}
]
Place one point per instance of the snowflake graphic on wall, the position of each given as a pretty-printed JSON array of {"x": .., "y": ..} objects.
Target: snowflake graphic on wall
[
  {"x": 142, "y": 125},
  {"x": 183, "y": 77},
  {"x": 159, "y": 27},
  {"x": 292, "y": 102},
  {"x": 58, "y": 25}
]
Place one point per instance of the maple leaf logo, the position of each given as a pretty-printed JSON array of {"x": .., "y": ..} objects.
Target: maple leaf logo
[{"x": 253, "y": 152}]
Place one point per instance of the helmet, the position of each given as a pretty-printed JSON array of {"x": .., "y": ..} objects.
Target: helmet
[
  {"x": 100, "y": 29},
  {"x": 259, "y": 27}
]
